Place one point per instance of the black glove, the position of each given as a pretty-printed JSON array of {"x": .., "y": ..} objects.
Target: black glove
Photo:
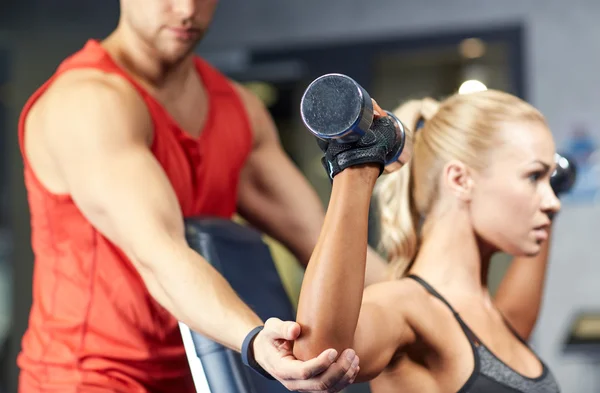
[{"x": 377, "y": 146}]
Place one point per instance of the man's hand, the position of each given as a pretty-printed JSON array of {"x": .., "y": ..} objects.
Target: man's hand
[{"x": 273, "y": 351}]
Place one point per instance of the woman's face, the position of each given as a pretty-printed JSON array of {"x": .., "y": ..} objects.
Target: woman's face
[{"x": 512, "y": 199}]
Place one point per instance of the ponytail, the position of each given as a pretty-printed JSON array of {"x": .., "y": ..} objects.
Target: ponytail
[
  {"x": 399, "y": 219},
  {"x": 399, "y": 216}
]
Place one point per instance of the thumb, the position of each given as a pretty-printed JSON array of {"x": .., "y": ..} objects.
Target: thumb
[
  {"x": 276, "y": 329},
  {"x": 291, "y": 331}
]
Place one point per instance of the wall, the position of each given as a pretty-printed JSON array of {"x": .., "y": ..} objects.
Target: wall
[{"x": 562, "y": 64}]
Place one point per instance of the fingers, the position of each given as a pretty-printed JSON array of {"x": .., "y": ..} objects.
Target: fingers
[
  {"x": 332, "y": 378},
  {"x": 293, "y": 372},
  {"x": 320, "y": 364},
  {"x": 349, "y": 378},
  {"x": 276, "y": 329},
  {"x": 377, "y": 111}
]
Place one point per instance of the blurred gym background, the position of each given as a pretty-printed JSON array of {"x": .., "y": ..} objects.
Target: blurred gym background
[{"x": 544, "y": 51}]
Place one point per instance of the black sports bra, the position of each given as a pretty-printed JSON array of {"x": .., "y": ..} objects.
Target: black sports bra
[{"x": 490, "y": 374}]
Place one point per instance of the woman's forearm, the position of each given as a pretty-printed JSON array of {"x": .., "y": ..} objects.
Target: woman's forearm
[
  {"x": 519, "y": 296},
  {"x": 332, "y": 289}
]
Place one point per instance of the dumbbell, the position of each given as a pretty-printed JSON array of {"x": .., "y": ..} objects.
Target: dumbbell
[
  {"x": 564, "y": 176},
  {"x": 336, "y": 107}
]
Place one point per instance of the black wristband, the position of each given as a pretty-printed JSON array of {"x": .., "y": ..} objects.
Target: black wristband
[{"x": 248, "y": 353}]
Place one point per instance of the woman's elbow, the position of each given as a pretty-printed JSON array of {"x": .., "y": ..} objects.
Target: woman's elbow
[
  {"x": 310, "y": 346},
  {"x": 304, "y": 350}
]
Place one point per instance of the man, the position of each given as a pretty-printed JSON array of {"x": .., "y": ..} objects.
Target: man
[{"x": 129, "y": 136}]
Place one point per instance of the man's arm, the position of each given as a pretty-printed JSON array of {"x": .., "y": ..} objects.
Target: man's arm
[
  {"x": 103, "y": 156},
  {"x": 276, "y": 198},
  {"x": 519, "y": 296}
]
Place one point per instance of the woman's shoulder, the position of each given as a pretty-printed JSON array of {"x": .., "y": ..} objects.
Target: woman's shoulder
[
  {"x": 406, "y": 298},
  {"x": 402, "y": 294}
]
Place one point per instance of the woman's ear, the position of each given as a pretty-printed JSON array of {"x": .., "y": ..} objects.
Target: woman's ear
[{"x": 458, "y": 180}]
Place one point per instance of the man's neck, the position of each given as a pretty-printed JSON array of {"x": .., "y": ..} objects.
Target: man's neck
[{"x": 141, "y": 61}]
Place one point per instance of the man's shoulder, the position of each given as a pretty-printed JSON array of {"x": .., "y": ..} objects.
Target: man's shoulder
[
  {"x": 84, "y": 81},
  {"x": 81, "y": 96},
  {"x": 88, "y": 90}
]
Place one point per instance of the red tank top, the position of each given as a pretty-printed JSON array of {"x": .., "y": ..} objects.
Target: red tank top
[{"x": 93, "y": 326}]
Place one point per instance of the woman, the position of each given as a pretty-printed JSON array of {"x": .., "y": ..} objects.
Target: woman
[{"x": 480, "y": 179}]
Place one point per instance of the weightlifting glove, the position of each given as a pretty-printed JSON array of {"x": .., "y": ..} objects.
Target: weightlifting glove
[{"x": 379, "y": 145}]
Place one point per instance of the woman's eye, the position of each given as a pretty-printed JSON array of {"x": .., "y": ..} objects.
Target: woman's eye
[{"x": 534, "y": 177}]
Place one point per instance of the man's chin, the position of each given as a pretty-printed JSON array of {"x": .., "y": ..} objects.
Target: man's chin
[{"x": 178, "y": 52}]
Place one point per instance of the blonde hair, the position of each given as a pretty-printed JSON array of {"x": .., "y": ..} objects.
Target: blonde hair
[{"x": 464, "y": 128}]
